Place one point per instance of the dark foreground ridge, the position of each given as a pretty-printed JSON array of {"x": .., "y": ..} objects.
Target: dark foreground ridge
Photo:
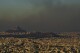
[
  {"x": 38, "y": 35},
  {"x": 29, "y": 35}
]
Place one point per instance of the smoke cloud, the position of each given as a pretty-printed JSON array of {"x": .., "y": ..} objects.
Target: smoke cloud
[{"x": 40, "y": 15}]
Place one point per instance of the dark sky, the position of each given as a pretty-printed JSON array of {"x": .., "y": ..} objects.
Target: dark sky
[{"x": 40, "y": 15}]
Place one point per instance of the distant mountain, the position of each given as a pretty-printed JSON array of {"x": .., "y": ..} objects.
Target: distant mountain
[{"x": 16, "y": 29}]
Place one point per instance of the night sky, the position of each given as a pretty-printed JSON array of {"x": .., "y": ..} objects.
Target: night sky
[{"x": 41, "y": 15}]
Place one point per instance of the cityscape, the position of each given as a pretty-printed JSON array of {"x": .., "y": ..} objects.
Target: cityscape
[
  {"x": 39, "y": 26},
  {"x": 17, "y": 40}
]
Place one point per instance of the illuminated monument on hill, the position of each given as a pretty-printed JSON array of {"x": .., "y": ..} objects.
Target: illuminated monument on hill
[{"x": 16, "y": 29}]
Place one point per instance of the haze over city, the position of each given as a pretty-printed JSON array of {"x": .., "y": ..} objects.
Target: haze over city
[{"x": 39, "y": 15}]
